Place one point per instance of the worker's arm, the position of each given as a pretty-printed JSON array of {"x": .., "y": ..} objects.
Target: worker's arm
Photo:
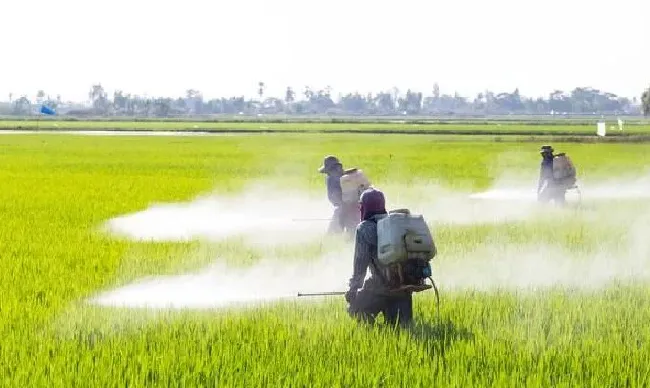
[
  {"x": 540, "y": 182},
  {"x": 362, "y": 256},
  {"x": 334, "y": 193},
  {"x": 545, "y": 173}
]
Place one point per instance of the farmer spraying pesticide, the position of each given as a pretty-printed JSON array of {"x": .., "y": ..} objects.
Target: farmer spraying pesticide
[
  {"x": 344, "y": 188},
  {"x": 557, "y": 175},
  {"x": 397, "y": 246}
]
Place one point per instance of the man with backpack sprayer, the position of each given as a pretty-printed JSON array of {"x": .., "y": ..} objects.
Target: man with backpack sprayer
[
  {"x": 397, "y": 247},
  {"x": 343, "y": 190},
  {"x": 557, "y": 175}
]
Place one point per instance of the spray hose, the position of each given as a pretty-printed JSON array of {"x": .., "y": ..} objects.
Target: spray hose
[{"x": 435, "y": 289}]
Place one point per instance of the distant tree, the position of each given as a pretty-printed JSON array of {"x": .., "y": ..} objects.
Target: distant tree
[
  {"x": 436, "y": 91},
  {"x": 308, "y": 93},
  {"x": 22, "y": 106},
  {"x": 191, "y": 93},
  {"x": 583, "y": 100},
  {"x": 193, "y": 101},
  {"x": 289, "y": 95},
  {"x": 96, "y": 92},
  {"x": 328, "y": 91},
  {"x": 645, "y": 102},
  {"x": 384, "y": 102},
  {"x": 162, "y": 106},
  {"x": 40, "y": 96},
  {"x": 260, "y": 90},
  {"x": 119, "y": 101},
  {"x": 395, "y": 94},
  {"x": 99, "y": 99}
]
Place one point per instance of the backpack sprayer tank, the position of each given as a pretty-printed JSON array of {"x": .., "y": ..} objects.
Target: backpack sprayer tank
[
  {"x": 405, "y": 248},
  {"x": 353, "y": 183},
  {"x": 564, "y": 171}
]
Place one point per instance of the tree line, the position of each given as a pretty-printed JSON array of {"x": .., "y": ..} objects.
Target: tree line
[{"x": 581, "y": 100}]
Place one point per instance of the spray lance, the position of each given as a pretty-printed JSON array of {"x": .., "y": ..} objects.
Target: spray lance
[
  {"x": 322, "y": 293},
  {"x": 330, "y": 293}
]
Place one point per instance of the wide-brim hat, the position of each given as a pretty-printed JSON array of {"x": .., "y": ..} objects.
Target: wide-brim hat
[
  {"x": 546, "y": 148},
  {"x": 329, "y": 162}
]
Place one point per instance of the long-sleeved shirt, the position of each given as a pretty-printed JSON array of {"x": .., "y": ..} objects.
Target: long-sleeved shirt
[
  {"x": 365, "y": 251},
  {"x": 545, "y": 172},
  {"x": 334, "y": 192}
]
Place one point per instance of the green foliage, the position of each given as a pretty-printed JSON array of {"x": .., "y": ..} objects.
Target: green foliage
[
  {"x": 57, "y": 189},
  {"x": 645, "y": 102},
  {"x": 580, "y": 100}
]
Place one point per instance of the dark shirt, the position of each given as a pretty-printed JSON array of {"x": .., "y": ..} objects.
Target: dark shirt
[
  {"x": 334, "y": 192},
  {"x": 365, "y": 251},
  {"x": 545, "y": 172}
]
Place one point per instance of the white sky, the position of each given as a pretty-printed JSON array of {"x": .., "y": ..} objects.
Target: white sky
[{"x": 224, "y": 48}]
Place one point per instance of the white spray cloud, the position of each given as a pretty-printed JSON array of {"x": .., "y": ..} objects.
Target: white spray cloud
[
  {"x": 533, "y": 266},
  {"x": 261, "y": 216},
  {"x": 445, "y": 207},
  {"x": 218, "y": 285},
  {"x": 269, "y": 218},
  {"x": 495, "y": 265},
  {"x": 503, "y": 265},
  {"x": 613, "y": 188}
]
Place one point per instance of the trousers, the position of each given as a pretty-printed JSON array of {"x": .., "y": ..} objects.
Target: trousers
[
  {"x": 553, "y": 192},
  {"x": 370, "y": 302},
  {"x": 345, "y": 219}
]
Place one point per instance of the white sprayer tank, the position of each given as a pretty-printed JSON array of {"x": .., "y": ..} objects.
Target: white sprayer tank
[
  {"x": 353, "y": 183},
  {"x": 401, "y": 236}
]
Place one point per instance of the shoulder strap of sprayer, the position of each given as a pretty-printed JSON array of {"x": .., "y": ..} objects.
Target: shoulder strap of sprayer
[{"x": 374, "y": 264}]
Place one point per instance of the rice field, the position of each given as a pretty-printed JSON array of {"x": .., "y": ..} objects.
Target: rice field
[
  {"x": 530, "y": 295},
  {"x": 584, "y": 127}
]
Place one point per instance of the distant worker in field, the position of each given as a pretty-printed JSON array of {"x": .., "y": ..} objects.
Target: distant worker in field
[
  {"x": 557, "y": 175},
  {"x": 397, "y": 269},
  {"x": 344, "y": 188}
]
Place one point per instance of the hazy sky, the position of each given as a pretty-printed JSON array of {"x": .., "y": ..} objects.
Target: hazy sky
[{"x": 224, "y": 48}]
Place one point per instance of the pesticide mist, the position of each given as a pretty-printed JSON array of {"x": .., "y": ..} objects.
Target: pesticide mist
[
  {"x": 269, "y": 280},
  {"x": 611, "y": 189},
  {"x": 268, "y": 217},
  {"x": 264, "y": 215},
  {"x": 259, "y": 215}
]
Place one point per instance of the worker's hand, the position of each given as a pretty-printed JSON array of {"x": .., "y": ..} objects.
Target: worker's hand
[{"x": 350, "y": 295}]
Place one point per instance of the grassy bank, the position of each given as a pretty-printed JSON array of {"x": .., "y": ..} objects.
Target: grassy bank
[{"x": 387, "y": 127}]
